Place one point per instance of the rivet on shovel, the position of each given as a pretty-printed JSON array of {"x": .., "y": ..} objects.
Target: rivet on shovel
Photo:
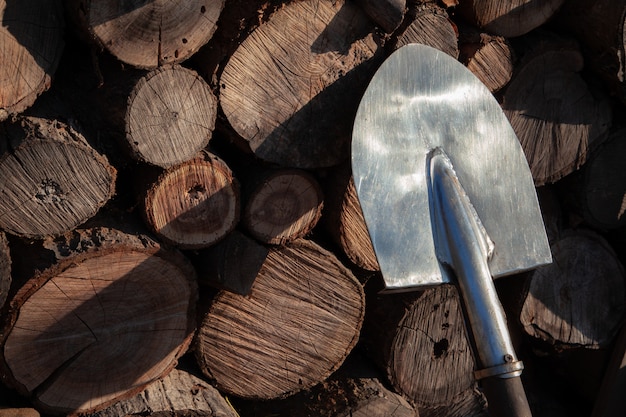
[{"x": 447, "y": 196}]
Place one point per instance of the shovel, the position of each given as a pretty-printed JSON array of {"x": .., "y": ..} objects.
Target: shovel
[{"x": 448, "y": 197}]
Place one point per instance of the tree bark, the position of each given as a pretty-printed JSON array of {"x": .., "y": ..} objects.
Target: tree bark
[
  {"x": 556, "y": 115},
  {"x": 147, "y": 34},
  {"x": 429, "y": 24},
  {"x": 580, "y": 299},
  {"x": 170, "y": 116},
  {"x": 31, "y": 41},
  {"x": 420, "y": 341},
  {"x": 284, "y": 205},
  {"x": 5, "y": 269},
  {"x": 179, "y": 393},
  {"x": 509, "y": 19},
  {"x": 291, "y": 89},
  {"x": 113, "y": 313},
  {"x": 300, "y": 321},
  {"x": 194, "y": 204},
  {"x": 51, "y": 180}
]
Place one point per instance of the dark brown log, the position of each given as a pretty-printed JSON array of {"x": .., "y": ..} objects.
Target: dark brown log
[
  {"x": 194, "y": 204},
  {"x": 430, "y": 25},
  {"x": 178, "y": 393},
  {"x": 18, "y": 412},
  {"x": 283, "y": 205},
  {"x": 580, "y": 299},
  {"x": 387, "y": 14},
  {"x": 598, "y": 191},
  {"x": 51, "y": 180},
  {"x": 300, "y": 321},
  {"x": 292, "y": 88},
  {"x": 508, "y": 18},
  {"x": 420, "y": 341},
  {"x": 490, "y": 58},
  {"x": 113, "y": 313},
  {"x": 31, "y": 41},
  {"x": 170, "y": 116},
  {"x": 343, "y": 219},
  {"x": 556, "y": 115},
  {"x": 232, "y": 264},
  {"x": 147, "y": 34},
  {"x": 598, "y": 24},
  {"x": 610, "y": 400},
  {"x": 5, "y": 269}
]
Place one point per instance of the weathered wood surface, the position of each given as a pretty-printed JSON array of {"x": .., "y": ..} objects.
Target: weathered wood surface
[
  {"x": 31, "y": 44},
  {"x": 291, "y": 88},
  {"x": 299, "y": 322},
  {"x": 147, "y": 34},
  {"x": 388, "y": 14},
  {"x": 51, "y": 179},
  {"x": 170, "y": 116},
  {"x": 5, "y": 269},
  {"x": 282, "y": 206},
  {"x": 111, "y": 314},
  {"x": 194, "y": 204}
]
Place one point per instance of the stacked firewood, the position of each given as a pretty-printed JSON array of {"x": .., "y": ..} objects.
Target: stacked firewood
[{"x": 180, "y": 232}]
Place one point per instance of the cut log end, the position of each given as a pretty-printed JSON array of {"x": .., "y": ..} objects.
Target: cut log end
[
  {"x": 195, "y": 204},
  {"x": 99, "y": 325}
]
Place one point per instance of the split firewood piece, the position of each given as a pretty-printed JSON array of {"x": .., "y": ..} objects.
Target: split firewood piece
[
  {"x": 232, "y": 264},
  {"x": 292, "y": 88},
  {"x": 420, "y": 342},
  {"x": 51, "y": 180},
  {"x": 429, "y": 24},
  {"x": 598, "y": 24},
  {"x": 194, "y": 204},
  {"x": 508, "y": 18},
  {"x": 283, "y": 205},
  {"x": 170, "y": 116},
  {"x": 112, "y": 314},
  {"x": 31, "y": 44},
  {"x": 578, "y": 300},
  {"x": 344, "y": 221},
  {"x": 5, "y": 268},
  {"x": 556, "y": 115},
  {"x": 387, "y": 14},
  {"x": 490, "y": 58},
  {"x": 598, "y": 191},
  {"x": 297, "y": 325},
  {"x": 178, "y": 393},
  {"x": 147, "y": 34}
]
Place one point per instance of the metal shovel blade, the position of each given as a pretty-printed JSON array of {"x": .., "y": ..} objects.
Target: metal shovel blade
[{"x": 419, "y": 101}]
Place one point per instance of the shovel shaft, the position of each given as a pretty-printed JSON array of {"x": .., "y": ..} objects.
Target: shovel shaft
[{"x": 464, "y": 246}]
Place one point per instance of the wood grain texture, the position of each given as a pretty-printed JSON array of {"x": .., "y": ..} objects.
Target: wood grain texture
[
  {"x": 490, "y": 58},
  {"x": 113, "y": 314},
  {"x": 170, "y": 116},
  {"x": 297, "y": 325},
  {"x": 5, "y": 268},
  {"x": 51, "y": 180},
  {"x": 291, "y": 88},
  {"x": 31, "y": 44},
  {"x": 147, "y": 33}
]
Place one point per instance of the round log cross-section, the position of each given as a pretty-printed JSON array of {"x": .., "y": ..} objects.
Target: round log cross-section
[
  {"x": 297, "y": 325},
  {"x": 170, "y": 116},
  {"x": 194, "y": 204},
  {"x": 104, "y": 321},
  {"x": 148, "y": 33}
]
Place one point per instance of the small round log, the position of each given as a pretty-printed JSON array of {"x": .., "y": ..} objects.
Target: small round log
[
  {"x": 292, "y": 88},
  {"x": 170, "y": 116},
  {"x": 556, "y": 115},
  {"x": 580, "y": 299},
  {"x": 194, "y": 204},
  {"x": 387, "y": 14},
  {"x": 508, "y": 18},
  {"x": 113, "y": 313},
  {"x": 147, "y": 34},
  {"x": 51, "y": 180},
  {"x": 285, "y": 205},
  {"x": 297, "y": 325},
  {"x": 31, "y": 44}
]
